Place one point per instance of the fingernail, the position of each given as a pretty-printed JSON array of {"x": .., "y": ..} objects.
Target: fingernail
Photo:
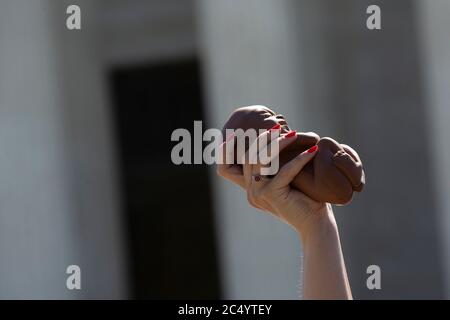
[
  {"x": 275, "y": 127},
  {"x": 313, "y": 149},
  {"x": 290, "y": 134}
]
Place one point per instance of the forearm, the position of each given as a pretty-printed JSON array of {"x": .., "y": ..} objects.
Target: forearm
[{"x": 325, "y": 276}]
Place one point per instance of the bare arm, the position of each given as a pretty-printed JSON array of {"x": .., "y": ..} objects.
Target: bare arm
[{"x": 325, "y": 276}]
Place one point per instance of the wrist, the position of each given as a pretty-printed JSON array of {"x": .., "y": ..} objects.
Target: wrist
[{"x": 317, "y": 224}]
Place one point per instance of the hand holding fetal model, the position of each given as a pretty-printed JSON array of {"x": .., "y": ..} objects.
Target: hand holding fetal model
[
  {"x": 275, "y": 194},
  {"x": 334, "y": 174},
  {"x": 325, "y": 275}
]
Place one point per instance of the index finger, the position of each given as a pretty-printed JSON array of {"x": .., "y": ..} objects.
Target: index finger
[{"x": 288, "y": 172}]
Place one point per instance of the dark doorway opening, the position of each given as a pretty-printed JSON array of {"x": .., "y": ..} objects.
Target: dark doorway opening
[{"x": 168, "y": 208}]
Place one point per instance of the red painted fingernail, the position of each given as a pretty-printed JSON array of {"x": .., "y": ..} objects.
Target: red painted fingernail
[
  {"x": 291, "y": 134},
  {"x": 275, "y": 127},
  {"x": 313, "y": 149}
]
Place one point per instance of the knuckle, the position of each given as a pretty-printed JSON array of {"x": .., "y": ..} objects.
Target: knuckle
[{"x": 254, "y": 199}]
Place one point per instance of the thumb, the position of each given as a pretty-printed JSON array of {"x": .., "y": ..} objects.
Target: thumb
[{"x": 288, "y": 172}]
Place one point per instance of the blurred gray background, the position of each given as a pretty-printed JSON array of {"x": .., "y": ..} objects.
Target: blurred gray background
[{"x": 384, "y": 92}]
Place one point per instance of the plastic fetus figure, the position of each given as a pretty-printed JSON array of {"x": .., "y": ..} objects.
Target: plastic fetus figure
[{"x": 332, "y": 176}]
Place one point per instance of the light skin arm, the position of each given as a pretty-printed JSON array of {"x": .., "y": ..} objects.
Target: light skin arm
[{"x": 325, "y": 275}]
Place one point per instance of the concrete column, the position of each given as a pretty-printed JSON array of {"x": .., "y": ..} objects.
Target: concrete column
[
  {"x": 375, "y": 98},
  {"x": 362, "y": 87},
  {"x": 36, "y": 240},
  {"x": 57, "y": 196},
  {"x": 435, "y": 47},
  {"x": 251, "y": 54}
]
